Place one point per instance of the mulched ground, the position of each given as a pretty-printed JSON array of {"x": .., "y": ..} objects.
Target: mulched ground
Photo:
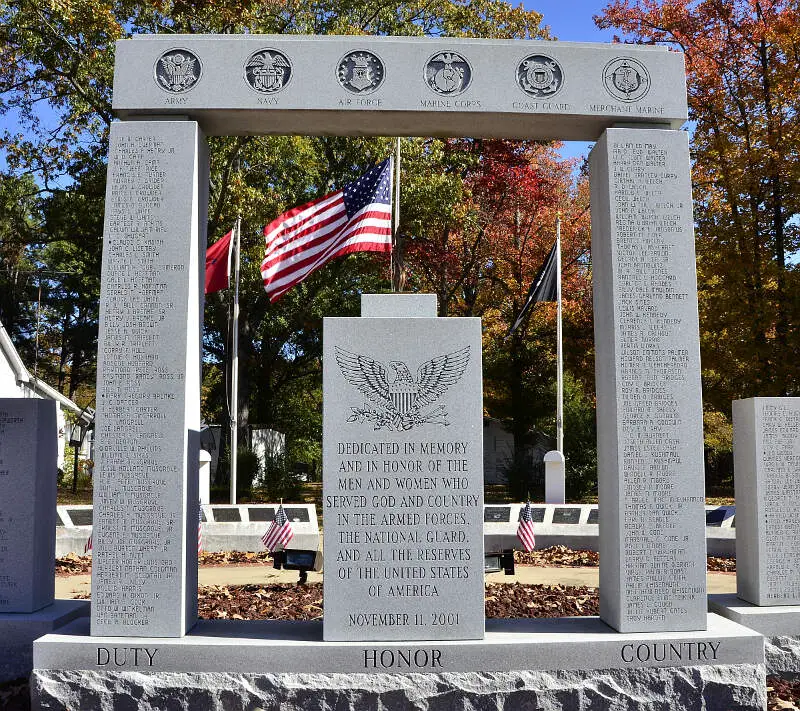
[{"x": 552, "y": 557}]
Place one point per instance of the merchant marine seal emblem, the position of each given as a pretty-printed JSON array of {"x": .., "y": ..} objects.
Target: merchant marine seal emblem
[{"x": 626, "y": 79}]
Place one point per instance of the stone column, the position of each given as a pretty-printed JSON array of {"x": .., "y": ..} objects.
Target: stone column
[
  {"x": 403, "y": 473},
  {"x": 28, "y": 448},
  {"x": 144, "y": 578},
  {"x": 766, "y": 444},
  {"x": 647, "y": 363}
]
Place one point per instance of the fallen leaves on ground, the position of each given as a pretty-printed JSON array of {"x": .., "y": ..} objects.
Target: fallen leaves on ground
[
  {"x": 558, "y": 557},
  {"x": 235, "y": 558},
  {"x": 721, "y": 565},
  {"x": 783, "y": 694},
  {"x": 285, "y": 601},
  {"x": 72, "y": 564},
  {"x": 505, "y": 600}
]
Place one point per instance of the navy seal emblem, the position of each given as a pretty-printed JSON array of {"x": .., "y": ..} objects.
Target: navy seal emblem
[
  {"x": 448, "y": 73},
  {"x": 268, "y": 71},
  {"x": 177, "y": 70},
  {"x": 626, "y": 79},
  {"x": 539, "y": 76},
  {"x": 401, "y": 403},
  {"x": 360, "y": 72}
]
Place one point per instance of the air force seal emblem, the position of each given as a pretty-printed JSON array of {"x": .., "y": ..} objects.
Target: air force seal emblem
[
  {"x": 177, "y": 70},
  {"x": 361, "y": 72},
  {"x": 401, "y": 403}
]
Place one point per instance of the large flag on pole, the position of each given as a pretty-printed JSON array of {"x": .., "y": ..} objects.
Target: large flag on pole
[
  {"x": 218, "y": 264},
  {"x": 543, "y": 287},
  {"x": 357, "y": 218}
]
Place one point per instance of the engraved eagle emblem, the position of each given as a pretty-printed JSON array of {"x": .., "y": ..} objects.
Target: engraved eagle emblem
[
  {"x": 399, "y": 403},
  {"x": 178, "y": 71}
]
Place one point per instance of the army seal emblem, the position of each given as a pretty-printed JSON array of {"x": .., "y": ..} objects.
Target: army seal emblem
[
  {"x": 626, "y": 79},
  {"x": 448, "y": 73},
  {"x": 177, "y": 70},
  {"x": 268, "y": 71},
  {"x": 360, "y": 72},
  {"x": 539, "y": 76}
]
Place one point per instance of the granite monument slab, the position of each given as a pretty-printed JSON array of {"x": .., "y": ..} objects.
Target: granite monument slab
[{"x": 402, "y": 478}]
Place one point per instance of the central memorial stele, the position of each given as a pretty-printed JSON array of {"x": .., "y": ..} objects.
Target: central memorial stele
[{"x": 402, "y": 485}]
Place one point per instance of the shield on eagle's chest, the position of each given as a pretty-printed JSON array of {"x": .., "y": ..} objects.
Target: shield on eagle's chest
[{"x": 403, "y": 398}]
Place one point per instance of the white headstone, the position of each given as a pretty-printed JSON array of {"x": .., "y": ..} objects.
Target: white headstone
[
  {"x": 403, "y": 482},
  {"x": 766, "y": 449},
  {"x": 28, "y": 480},
  {"x": 555, "y": 478},
  {"x": 649, "y": 405},
  {"x": 144, "y": 576}
]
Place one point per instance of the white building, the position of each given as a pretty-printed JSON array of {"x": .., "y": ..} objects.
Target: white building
[{"x": 17, "y": 382}]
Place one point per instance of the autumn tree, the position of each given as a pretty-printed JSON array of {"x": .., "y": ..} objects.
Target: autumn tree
[{"x": 744, "y": 92}]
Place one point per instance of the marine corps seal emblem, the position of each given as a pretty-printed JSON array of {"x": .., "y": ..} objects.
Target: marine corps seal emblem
[
  {"x": 626, "y": 79},
  {"x": 268, "y": 71},
  {"x": 361, "y": 72},
  {"x": 539, "y": 75},
  {"x": 177, "y": 70},
  {"x": 448, "y": 73}
]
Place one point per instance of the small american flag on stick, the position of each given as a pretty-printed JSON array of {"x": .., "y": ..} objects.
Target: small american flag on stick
[
  {"x": 279, "y": 532},
  {"x": 525, "y": 529},
  {"x": 88, "y": 545}
]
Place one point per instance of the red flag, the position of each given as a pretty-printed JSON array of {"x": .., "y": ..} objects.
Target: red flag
[
  {"x": 357, "y": 218},
  {"x": 218, "y": 264}
]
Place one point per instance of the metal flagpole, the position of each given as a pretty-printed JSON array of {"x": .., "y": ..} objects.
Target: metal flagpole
[
  {"x": 396, "y": 219},
  {"x": 559, "y": 350},
  {"x": 235, "y": 364}
]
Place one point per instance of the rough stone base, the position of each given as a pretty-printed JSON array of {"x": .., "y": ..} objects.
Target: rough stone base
[
  {"x": 739, "y": 687},
  {"x": 783, "y": 656}
]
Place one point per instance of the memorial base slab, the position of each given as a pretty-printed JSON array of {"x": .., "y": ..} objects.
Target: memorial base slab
[
  {"x": 780, "y": 625},
  {"x": 738, "y": 687},
  {"x": 18, "y": 630},
  {"x": 567, "y": 663}
]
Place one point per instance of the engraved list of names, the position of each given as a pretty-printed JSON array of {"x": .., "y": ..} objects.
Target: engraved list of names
[
  {"x": 403, "y": 494},
  {"x": 146, "y": 377},
  {"x": 656, "y": 377}
]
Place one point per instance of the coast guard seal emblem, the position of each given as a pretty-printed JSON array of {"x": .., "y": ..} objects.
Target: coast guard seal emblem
[
  {"x": 448, "y": 73},
  {"x": 360, "y": 72},
  {"x": 626, "y": 79},
  {"x": 177, "y": 70},
  {"x": 268, "y": 71},
  {"x": 539, "y": 76},
  {"x": 403, "y": 401}
]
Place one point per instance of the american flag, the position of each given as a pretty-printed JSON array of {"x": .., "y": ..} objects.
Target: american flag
[
  {"x": 199, "y": 527},
  {"x": 357, "y": 218},
  {"x": 88, "y": 545},
  {"x": 525, "y": 529},
  {"x": 278, "y": 532}
]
